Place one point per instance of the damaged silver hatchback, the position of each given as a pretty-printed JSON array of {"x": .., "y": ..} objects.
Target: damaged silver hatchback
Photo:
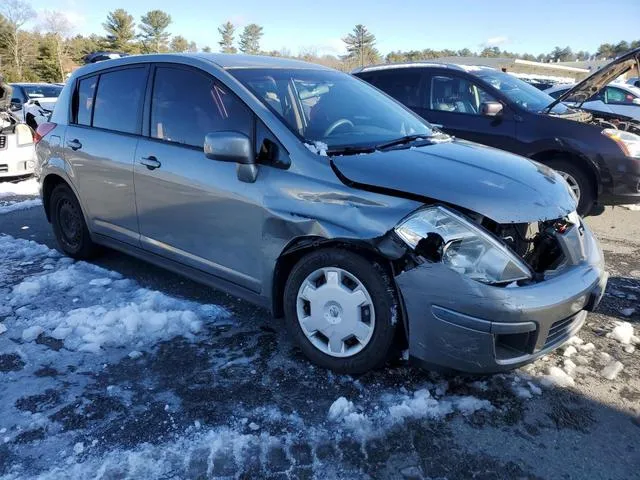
[{"x": 313, "y": 194}]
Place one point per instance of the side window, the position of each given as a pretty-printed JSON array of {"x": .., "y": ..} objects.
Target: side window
[
  {"x": 119, "y": 100},
  {"x": 456, "y": 94},
  {"x": 83, "y": 101},
  {"x": 403, "y": 85},
  {"x": 187, "y": 105},
  {"x": 617, "y": 96}
]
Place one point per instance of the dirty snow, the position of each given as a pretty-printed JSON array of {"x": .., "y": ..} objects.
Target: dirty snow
[
  {"x": 611, "y": 371},
  {"x": 556, "y": 377}
]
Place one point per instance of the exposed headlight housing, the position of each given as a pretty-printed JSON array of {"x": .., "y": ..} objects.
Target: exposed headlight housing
[
  {"x": 627, "y": 141},
  {"x": 24, "y": 136},
  {"x": 467, "y": 248}
]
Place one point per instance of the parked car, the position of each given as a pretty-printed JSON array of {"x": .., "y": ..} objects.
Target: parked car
[
  {"x": 616, "y": 98},
  {"x": 597, "y": 153},
  {"x": 34, "y": 102},
  {"x": 17, "y": 152},
  {"x": 634, "y": 81},
  {"x": 309, "y": 192}
]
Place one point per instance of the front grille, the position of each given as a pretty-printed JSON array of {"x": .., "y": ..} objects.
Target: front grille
[
  {"x": 563, "y": 329},
  {"x": 4, "y": 168},
  {"x": 3, "y": 141}
]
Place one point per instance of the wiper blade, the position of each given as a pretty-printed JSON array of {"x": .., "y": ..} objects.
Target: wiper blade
[{"x": 402, "y": 141}]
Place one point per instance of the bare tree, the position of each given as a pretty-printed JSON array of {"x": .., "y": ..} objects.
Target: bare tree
[
  {"x": 16, "y": 13},
  {"x": 58, "y": 27}
]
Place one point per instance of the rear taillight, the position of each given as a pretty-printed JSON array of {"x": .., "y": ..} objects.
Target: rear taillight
[{"x": 43, "y": 130}]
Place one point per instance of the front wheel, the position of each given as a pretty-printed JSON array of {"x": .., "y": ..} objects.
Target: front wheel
[
  {"x": 579, "y": 182},
  {"x": 341, "y": 309}
]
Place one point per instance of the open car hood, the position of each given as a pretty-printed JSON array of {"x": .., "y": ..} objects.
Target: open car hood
[
  {"x": 591, "y": 85},
  {"x": 504, "y": 187}
]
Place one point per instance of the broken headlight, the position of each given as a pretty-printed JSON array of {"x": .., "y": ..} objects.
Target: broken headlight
[{"x": 465, "y": 247}]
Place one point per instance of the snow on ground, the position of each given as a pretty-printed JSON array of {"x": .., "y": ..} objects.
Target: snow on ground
[
  {"x": 105, "y": 378},
  {"x": 8, "y": 207},
  {"x": 25, "y": 187},
  {"x": 89, "y": 308}
]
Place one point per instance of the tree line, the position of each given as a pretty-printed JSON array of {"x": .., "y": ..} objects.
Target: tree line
[{"x": 49, "y": 52}]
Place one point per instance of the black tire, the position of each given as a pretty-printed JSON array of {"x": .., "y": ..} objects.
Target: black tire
[
  {"x": 587, "y": 189},
  {"x": 382, "y": 292},
  {"x": 69, "y": 225}
]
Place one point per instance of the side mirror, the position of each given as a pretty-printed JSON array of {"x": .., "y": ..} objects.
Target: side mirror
[
  {"x": 16, "y": 106},
  {"x": 490, "y": 109},
  {"x": 234, "y": 147}
]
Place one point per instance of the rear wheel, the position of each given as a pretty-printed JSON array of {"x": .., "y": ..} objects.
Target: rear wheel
[
  {"x": 341, "y": 309},
  {"x": 579, "y": 182},
  {"x": 68, "y": 224}
]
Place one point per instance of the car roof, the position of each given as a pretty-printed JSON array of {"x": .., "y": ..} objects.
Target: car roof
[
  {"x": 33, "y": 84},
  {"x": 422, "y": 64},
  {"x": 225, "y": 61}
]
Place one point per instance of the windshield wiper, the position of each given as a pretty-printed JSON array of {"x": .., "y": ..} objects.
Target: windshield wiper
[{"x": 402, "y": 140}]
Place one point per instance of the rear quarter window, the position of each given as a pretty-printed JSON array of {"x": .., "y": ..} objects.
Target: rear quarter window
[{"x": 118, "y": 101}]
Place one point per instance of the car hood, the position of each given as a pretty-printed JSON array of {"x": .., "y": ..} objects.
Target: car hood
[
  {"x": 504, "y": 187},
  {"x": 599, "y": 79}
]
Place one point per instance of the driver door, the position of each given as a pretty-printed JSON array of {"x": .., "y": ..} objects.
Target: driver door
[
  {"x": 454, "y": 102},
  {"x": 191, "y": 209}
]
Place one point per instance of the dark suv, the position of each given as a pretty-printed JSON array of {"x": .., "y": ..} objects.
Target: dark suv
[{"x": 597, "y": 153}]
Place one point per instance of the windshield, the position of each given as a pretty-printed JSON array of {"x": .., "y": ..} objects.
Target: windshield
[
  {"x": 332, "y": 107},
  {"x": 42, "y": 91},
  {"x": 521, "y": 93}
]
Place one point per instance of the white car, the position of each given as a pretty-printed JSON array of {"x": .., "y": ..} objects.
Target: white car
[
  {"x": 33, "y": 102},
  {"x": 17, "y": 149},
  {"x": 617, "y": 98}
]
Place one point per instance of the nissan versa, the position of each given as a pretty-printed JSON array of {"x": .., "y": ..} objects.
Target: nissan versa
[
  {"x": 598, "y": 153},
  {"x": 311, "y": 193}
]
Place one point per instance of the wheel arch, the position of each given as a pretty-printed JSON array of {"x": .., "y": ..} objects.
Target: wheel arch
[
  {"x": 592, "y": 171},
  {"x": 301, "y": 246}
]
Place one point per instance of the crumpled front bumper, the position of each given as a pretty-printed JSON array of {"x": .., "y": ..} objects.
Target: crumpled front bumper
[{"x": 458, "y": 323}]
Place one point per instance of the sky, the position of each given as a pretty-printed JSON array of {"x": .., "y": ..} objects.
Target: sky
[{"x": 532, "y": 27}]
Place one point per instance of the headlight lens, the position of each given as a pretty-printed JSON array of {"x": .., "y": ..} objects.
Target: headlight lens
[
  {"x": 627, "y": 141},
  {"x": 23, "y": 135},
  {"x": 468, "y": 249}
]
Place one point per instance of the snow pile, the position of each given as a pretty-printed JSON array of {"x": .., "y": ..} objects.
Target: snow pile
[
  {"x": 319, "y": 148},
  {"x": 611, "y": 371},
  {"x": 556, "y": 377},
  {"x": 340, "y": 409},
  {"x": 14, "y": 206},
  {"x": 26, "y": 187},
  {"x": 622, "y": 332},
  {"x": 90, "y": 308}
]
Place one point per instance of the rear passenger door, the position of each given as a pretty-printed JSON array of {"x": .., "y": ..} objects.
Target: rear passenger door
[
  {"x": 100, "y": 143},
  {"x": 454, "y": 101},
  {"x": 405, "y": 85}
]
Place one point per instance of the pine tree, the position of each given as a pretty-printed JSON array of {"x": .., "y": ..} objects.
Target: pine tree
[
  {"x": 153, "y": 26},
  {"x": 361, "y": 46},
  {"x": 250, "y": 39},
  {"x": 227, "y": 31},
  {"x": 179, "y": 44},
  {"x": 120, "y": 29}
]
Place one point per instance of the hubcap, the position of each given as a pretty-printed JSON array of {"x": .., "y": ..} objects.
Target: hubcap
[
  {"x": 335, "y": 312},
  {"x": 573, "y": 184}
]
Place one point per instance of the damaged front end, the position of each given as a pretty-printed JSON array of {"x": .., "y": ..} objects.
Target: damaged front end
[{"x": 481, "y": 296}]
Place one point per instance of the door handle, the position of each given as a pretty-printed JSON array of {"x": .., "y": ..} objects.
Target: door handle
[
  {"x": 74, "y": 144},
  {"x": 150, "y": 162}
]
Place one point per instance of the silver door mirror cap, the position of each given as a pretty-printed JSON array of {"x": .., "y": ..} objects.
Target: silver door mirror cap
[
  {"x": 229, "y": 146},
  {"x": 491, "y": 109}
]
